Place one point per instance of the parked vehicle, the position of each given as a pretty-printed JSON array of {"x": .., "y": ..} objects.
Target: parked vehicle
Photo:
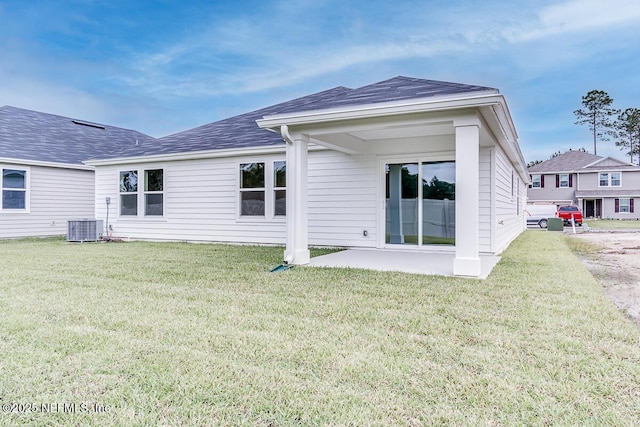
[
  {"x": 568, "y": 212},
  {"x": 538, "y": 214}
]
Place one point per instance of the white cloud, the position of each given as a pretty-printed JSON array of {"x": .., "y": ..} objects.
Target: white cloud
[{"x": 580, "y": 15}]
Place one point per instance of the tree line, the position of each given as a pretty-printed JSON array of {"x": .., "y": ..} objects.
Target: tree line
[{"x": 606, "y": 122}]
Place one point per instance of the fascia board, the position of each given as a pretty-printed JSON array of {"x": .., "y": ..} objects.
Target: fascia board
[
  {"x": 382, "y": 109},
  {"x": 25, "y": 162}
]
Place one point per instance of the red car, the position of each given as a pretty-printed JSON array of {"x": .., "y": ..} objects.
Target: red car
[{"x": 567, "y": 212}]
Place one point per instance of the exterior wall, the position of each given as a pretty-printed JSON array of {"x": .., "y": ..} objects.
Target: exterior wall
[
  {"x": 609, "y": 209},
  {"x": 55, "y": 195},
  {"x": 552, "y": 193},
  {"x": 486, "y": 194},
  {"x": 510, "y": 199},
  {"x": 343, "y": 198},
  {"x": 201, "y": 202},
  {"x": 630, "y": 180}
]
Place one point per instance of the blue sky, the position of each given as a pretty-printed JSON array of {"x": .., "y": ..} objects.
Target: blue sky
[{"x": 164, "y": 66}]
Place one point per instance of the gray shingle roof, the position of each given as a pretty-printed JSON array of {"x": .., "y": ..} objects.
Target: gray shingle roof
[
  {"x": 242, "y": 131},
  {"x": 31, "y": 135},
  {"x": 570, "y": 161}
]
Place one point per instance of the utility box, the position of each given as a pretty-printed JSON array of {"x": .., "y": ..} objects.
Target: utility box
[{"x": 555, "y": 224}]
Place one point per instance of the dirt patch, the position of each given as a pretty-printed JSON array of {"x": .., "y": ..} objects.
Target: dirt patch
[{"x": 617, "y": 267}]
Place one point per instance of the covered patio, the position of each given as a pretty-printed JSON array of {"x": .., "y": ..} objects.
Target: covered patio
[{"x": 415, "y": 129}]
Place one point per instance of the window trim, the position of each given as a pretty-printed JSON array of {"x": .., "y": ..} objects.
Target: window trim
[
  {"x": 567, "y": 181},
  {"x": 539, "y": 181},
  {"x": 146, "y": 192},
  {"x": 27, "y": 189},
  {"x": 141, "y": 193},
  {"x": 269, "y": 190},
  {"x": 610, "y": 179},
  {"x": 618, "y": 205}
]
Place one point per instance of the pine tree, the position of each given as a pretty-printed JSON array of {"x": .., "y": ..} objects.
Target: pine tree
[{"x": 596, "y": 113}]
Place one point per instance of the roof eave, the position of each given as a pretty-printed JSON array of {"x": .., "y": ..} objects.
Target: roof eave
[
  {"x": 484, "y": 98},
  {"x": 59, "y": 165}
]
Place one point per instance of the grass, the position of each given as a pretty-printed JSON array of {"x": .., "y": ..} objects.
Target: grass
[
  {"x": 611, "y": 224},
  {"x": 200, "y": 335}
]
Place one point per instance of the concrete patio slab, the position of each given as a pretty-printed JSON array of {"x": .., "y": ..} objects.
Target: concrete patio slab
[{"x": 440, "y": 264}]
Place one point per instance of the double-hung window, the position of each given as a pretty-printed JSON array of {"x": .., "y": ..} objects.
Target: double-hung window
[
  {"x": 263, "y": 189},
  {"x": 153, "y": 192},
  {"x": 14, "y": 189},
  {"x": 536, "y": 181},
  {"x": 151, "y": 196},
  {"x": 624, "y": 205},
  {"x": 564, "y": 180},
  {"x": 610, "y": 179},
  {"x": 280, "y": 188},
  {"x": 129, "y": 193},
  {"x": 252, "y": 190}
]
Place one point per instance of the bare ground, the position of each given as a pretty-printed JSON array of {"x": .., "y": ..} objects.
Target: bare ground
[{"x": 617, "y": 266}]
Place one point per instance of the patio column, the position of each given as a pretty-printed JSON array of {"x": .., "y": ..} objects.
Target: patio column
[
  {"x": 467, "y": 260},
  {"x": 297, "y": 250}
]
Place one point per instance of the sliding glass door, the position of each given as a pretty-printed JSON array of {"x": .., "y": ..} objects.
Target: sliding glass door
[{"x": 420, "y": 203}]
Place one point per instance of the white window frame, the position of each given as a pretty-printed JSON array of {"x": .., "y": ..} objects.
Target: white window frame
[
  {"x": 610, "y": 179},
  {"x": 147, "y": 192},
  {"x": 562, "y": 181},
  {"x": 627, "y": 206},
  {"x": 129, "y": 193},
  {"x": 535, "y": 181},
  {"x": 269, "y": 190},
  {"x": 141, "y": 193},
  {"x": 277, "y": 188},
  {"x": 27, "y": 189}
]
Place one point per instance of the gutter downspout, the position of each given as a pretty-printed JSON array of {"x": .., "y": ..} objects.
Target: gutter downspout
[{"x": 284, "y": 131}]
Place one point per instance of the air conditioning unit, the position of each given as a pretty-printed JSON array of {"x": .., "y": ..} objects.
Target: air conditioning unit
[{"x": 84, "y": 230}]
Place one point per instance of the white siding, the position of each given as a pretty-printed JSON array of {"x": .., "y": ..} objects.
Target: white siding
[
  {"x": 509, "y": 218},
  {"x": 55, "y": 196},
  {"x": 485, "y": 199},
  {"x": 201, "y": 202},
  {"x": 342, "y": 199}
]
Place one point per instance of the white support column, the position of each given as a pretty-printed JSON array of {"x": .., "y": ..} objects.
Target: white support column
[
  {"x": 297, "y": 250},
  {"x": 467, "y": 260}
]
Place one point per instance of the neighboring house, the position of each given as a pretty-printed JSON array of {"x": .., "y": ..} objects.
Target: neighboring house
[
  {"x": 602, "y": 187},
  {"x": 406, "y": 164},
  {"x": 42, "y": 178}
]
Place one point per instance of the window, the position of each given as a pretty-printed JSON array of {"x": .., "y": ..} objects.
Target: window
[
  {"x": 610, "y": 179},
  {"x": 624, "y": 205},
  {"x": 280, "y": 188},
  {"x": 615, "y": 179},
  {"x": 153, "y": 197},
  {"x": 564, "y": 180},
  {"x": 14, "y": 189},
  {"x": 536, "y": 181},
  {"x": 129, "y": 193},
  {"x": 263, "y": 189},
  {"x": 252, "y": 189}
]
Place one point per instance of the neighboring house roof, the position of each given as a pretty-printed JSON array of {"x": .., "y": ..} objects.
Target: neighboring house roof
[
  {"x": 571, "y": 161},
  {"x": 242, "y": 131},
  {"x": 33, "y": 136}
]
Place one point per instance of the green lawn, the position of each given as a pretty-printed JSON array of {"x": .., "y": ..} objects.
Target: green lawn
[
  {"x": 203, "y": 335},
  {"x": 610, "y": 224}
]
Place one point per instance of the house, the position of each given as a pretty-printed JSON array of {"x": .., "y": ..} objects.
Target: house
[
  {"x": 405, "y": 164},
  {"x": 44, "y": 182},
  {"x": 602, "y": 187}
]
